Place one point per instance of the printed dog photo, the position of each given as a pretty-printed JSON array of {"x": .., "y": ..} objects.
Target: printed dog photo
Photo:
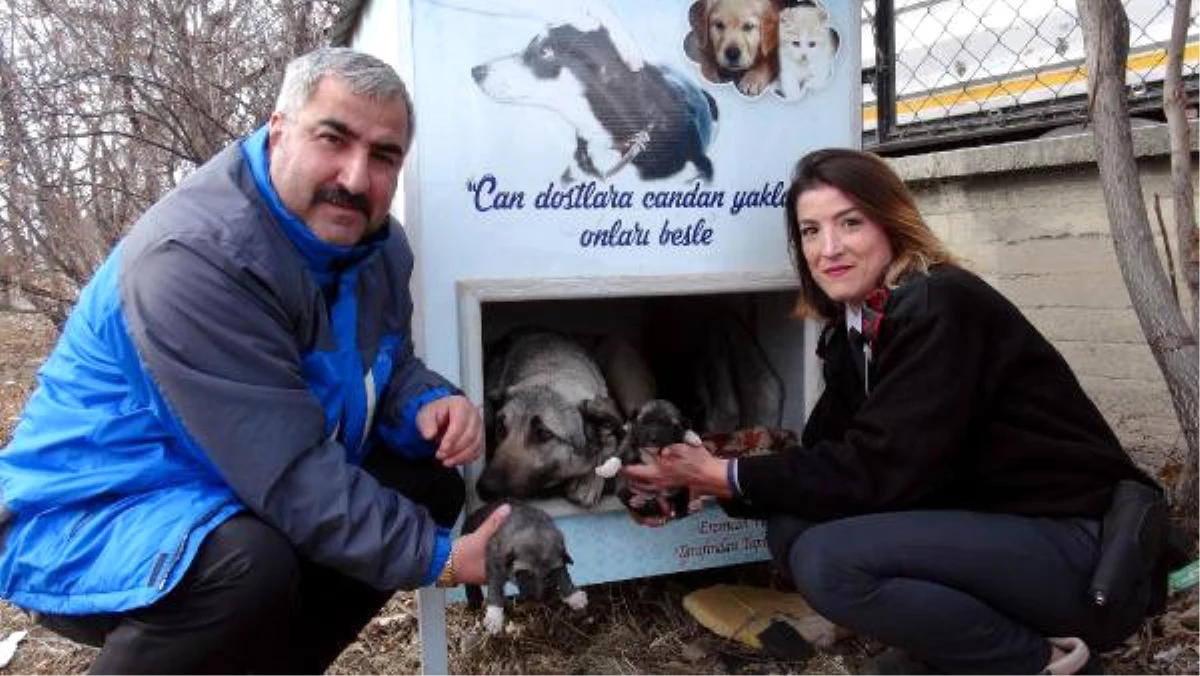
[
  {"x": 584, "y": 67},
  {"x": 807, "y": 48},
  {"x": 528, "y": 550},
  {"x": 735, "y": 41}
]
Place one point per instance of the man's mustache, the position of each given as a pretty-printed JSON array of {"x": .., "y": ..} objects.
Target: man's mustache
[{"x": 344, "y": 198}]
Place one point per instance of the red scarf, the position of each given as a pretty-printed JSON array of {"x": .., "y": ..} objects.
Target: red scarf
[{"x": 872, "y": 313}]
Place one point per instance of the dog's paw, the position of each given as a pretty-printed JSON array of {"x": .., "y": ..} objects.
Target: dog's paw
[
  {"x": 493, "y": 620},
  {"x": 710, "y": 71},
  {"x": 577, "y": 600},
  {"x": 754, "y": 83},
  {"x": 692, "y": 439},
  {"x": 608, "y": 469}
]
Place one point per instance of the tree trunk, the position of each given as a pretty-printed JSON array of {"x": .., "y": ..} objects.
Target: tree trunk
[
  {"x": 1174, "y": 104},
  {"x": 1106, "y": 44}
]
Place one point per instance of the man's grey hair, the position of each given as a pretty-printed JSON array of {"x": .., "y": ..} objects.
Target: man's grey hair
[{"x": 364, "y": 74}]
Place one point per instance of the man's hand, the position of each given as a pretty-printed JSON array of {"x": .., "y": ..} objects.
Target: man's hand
[
  {"x": 470, "y": 550},
  {"x": 456, "y": 423}
]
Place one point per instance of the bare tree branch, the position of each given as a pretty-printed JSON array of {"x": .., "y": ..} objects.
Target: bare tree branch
[
  {"x": 1174, "y": 106},
  {"x": 105, "y": 106},
  {"x": 1172, "y": 342},
  {"x": 1162, "y": 229}
]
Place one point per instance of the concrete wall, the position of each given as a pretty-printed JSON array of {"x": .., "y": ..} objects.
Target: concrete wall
[{"x": 1030, "y": 218}]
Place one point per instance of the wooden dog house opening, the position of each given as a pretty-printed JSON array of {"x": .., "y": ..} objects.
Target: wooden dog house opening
[{"x": 691, "y": 340}]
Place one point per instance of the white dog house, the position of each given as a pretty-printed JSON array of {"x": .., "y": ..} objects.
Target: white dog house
[{"x": 578, "y": 166}]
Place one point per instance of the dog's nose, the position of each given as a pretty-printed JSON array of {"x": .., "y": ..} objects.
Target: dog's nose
[
  {"x": 479, "y": 72},
  {"x": 732, "y": 54}
]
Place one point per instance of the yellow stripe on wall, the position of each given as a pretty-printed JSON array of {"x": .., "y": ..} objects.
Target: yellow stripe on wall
[{"x": 1138, "y": 63}]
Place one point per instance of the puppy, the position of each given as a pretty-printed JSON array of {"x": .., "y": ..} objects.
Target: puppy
[
  {"x": 528, "y": 549},
  {"x": 807, "y": 47},
  {"x": 656, "y": 424},
  {"x": 550, "y": 419},
  {"x": 735, "y": 40}
]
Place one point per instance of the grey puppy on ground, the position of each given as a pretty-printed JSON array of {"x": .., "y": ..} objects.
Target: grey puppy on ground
[
  {"x": 550, "y": 419},
  {"x": 528, "y": 550}
]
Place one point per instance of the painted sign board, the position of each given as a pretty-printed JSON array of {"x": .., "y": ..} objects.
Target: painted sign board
[{"x": 590, "y": 149}]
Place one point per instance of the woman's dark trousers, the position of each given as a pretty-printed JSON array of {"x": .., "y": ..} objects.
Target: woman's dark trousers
[{"x": 963, "y": 592}]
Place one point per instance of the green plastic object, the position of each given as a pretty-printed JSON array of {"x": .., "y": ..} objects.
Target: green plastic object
[{"x": 1183, "y": 578}]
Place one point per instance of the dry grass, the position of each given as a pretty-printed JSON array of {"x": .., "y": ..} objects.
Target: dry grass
[
  {"x": 24, "y": 341},
  {"x": 632, "y": 627}
]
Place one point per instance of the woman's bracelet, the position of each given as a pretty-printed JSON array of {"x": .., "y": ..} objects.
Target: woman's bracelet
[{"x": 731, "y": 477}]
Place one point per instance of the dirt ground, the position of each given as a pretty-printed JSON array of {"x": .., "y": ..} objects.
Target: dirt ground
[{"x": 631, "y": 627}]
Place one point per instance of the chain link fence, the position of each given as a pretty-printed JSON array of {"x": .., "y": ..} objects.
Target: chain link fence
[{"x": 943, "y": 72}]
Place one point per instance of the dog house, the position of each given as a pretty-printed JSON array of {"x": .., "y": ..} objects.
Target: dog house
[{"x": 613, "y": 168}]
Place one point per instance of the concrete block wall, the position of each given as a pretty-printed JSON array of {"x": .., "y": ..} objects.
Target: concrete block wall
[{"x": 1030, "y": 218}]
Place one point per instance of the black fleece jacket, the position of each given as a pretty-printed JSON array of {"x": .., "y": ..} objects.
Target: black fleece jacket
[{"x": 970, "y": 407}]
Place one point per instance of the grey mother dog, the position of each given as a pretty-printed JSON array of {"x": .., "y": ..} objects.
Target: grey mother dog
[{"x": 550, "y": 417}]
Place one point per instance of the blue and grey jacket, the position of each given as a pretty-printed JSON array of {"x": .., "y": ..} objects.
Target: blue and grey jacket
[{"x": 221, "y": 359}]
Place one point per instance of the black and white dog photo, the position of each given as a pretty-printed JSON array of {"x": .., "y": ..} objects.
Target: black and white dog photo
[{"x": 584, "y": 67}]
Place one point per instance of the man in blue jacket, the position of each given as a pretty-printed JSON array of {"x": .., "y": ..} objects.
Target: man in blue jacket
[{"x": 233, "y": 457}]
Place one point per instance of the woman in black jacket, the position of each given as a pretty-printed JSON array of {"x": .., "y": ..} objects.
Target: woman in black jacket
[{"x": 949, "y": 491}]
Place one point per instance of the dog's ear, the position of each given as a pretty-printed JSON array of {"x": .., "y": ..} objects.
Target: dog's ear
[
  {"x": 602, "y": 411},
  {"x": 567, "y": 560},
  {"x": 769, "y": 43},
  {"x": 698, "y": 18}
]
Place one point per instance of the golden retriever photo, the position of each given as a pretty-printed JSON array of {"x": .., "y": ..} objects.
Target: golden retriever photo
[{"x": 735, "y": 41}]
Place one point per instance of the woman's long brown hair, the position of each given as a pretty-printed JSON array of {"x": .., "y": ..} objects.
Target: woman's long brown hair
[{"x": 868, "y": 182}]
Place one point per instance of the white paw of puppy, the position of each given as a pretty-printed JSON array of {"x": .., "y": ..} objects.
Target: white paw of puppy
[
  {"x": 608, "y": 469},
  {"x": 692, "y": 439},
  {"x": 493, "y": 620},
  {"x": 577, "y": 600}
]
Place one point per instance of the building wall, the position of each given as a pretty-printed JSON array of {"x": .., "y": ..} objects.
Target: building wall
[{"x": 1030, "y": 218}]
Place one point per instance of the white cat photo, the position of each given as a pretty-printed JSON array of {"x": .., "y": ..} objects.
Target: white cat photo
[{"x": 807, "y": 47}]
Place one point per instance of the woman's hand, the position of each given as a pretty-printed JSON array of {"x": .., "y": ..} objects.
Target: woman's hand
[{"x": 681, "y": 465}]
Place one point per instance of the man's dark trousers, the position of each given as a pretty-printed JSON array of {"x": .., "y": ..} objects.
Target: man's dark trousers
[{"x": 250, "y": 604}]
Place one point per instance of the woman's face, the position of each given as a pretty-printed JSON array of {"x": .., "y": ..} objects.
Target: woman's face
[{"x": 846, "y": 252}]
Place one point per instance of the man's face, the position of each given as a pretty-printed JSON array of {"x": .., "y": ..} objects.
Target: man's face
[{"x": 336, "y": 161}]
